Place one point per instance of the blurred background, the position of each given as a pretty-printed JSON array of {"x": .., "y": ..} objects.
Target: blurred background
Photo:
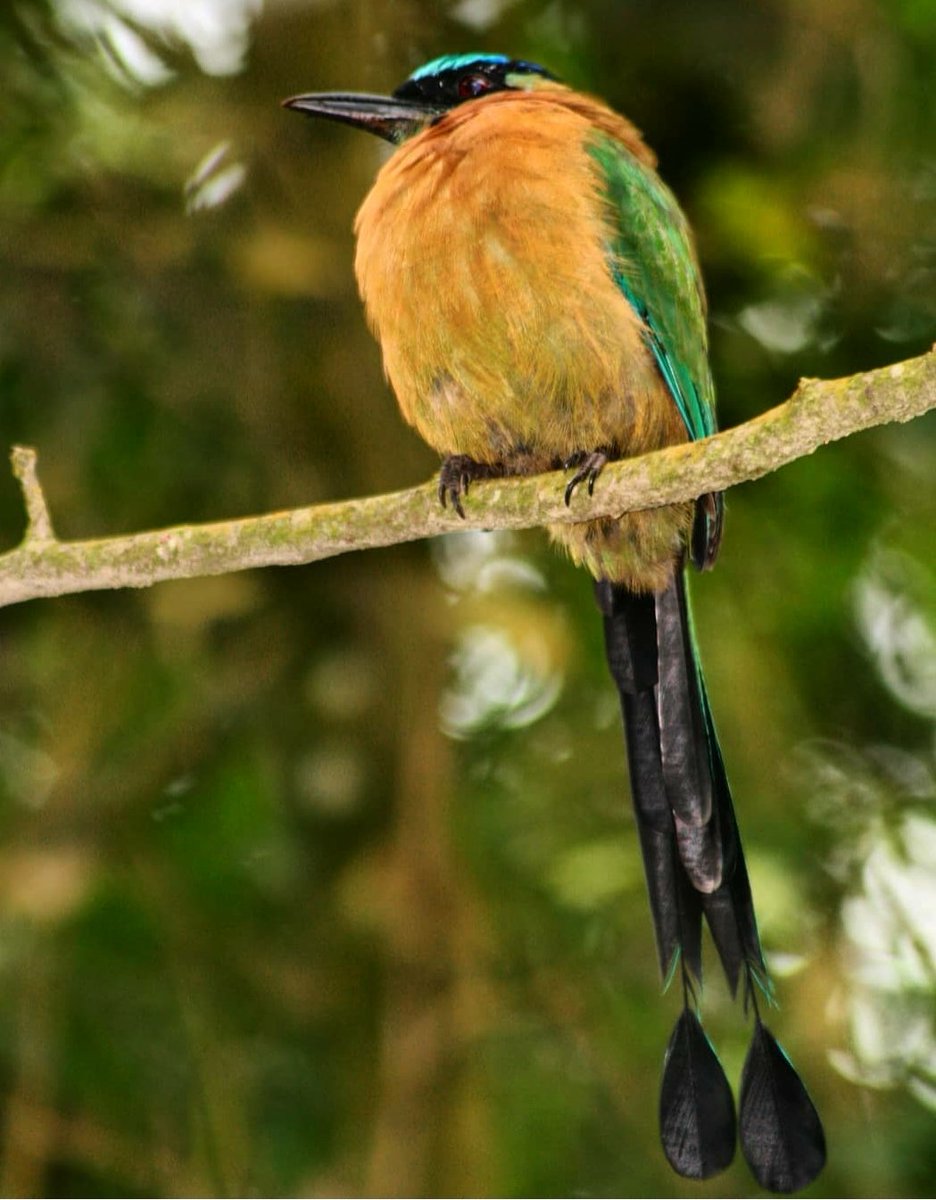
[{"x": 323, "y": 881}]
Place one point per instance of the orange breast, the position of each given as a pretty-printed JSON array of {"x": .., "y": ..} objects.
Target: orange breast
[{"x": 482, "y": 261}]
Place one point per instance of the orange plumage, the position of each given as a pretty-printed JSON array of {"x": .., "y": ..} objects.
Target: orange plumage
[{"x": 482, "y": 258}]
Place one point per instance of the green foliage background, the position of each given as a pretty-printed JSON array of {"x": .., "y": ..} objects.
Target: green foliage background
[{"x": 322, "y": 881}]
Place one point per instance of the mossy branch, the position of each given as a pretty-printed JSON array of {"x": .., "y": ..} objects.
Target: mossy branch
[{"x": 819, "y": 411}]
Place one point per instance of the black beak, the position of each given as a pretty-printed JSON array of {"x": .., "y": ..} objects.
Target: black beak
[{"x": 395, "y": 120}]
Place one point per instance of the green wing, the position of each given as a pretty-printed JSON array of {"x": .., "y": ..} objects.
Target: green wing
[
  {"x": 652, "y": 260},
  {"x": 653, "y": 263}
]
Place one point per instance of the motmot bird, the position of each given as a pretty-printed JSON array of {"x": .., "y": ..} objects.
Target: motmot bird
[{"x": 535, "y": 291}]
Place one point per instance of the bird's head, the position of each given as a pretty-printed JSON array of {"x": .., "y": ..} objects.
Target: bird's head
[{"x": 429, "y": 93}]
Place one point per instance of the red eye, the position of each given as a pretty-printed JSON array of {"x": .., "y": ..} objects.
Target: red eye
[{"x": 473, "y": 85}]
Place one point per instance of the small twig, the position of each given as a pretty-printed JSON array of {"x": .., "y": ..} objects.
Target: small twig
[{"x": 38, "y": 522}]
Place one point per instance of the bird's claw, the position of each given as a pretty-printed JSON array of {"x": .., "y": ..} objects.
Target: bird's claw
[
  {"x": 456, "y": 476},
  {"x": 590, "y": 464}
]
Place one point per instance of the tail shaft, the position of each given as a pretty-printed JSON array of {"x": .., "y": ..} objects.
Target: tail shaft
[{"x": 682, "y": 803}]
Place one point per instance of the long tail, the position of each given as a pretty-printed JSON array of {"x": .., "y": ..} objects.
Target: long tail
[{"x": 695, "y": 868}]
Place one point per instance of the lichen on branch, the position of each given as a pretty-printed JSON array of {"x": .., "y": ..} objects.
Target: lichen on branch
[{"x": 820, "y": 411}]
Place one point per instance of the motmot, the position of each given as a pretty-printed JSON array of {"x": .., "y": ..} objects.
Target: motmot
[{"x": 535, "y": 290}]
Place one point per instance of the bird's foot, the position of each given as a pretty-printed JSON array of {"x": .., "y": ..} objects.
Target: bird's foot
[
  {"x": 457, "y": 475},
  {"x": 590, "y": 464}
]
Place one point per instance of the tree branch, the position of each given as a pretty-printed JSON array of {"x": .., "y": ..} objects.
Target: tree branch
[{"x": 819, "y": 411}]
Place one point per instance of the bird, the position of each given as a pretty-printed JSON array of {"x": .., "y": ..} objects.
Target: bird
[{"x": 536, "y": 293}]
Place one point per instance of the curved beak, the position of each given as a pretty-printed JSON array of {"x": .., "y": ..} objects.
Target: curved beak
[{"x": 394, "y": 120}]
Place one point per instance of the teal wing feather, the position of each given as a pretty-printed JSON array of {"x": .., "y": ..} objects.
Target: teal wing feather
[{"x": 652, "y": 260}]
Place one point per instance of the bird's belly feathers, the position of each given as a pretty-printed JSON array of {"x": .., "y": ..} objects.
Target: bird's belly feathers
[{"x": 483, "y": 263}]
